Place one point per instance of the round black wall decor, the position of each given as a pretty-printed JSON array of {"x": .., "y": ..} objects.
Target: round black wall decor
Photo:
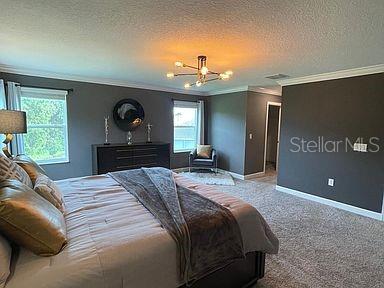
[{"x": 128, "y": 114}]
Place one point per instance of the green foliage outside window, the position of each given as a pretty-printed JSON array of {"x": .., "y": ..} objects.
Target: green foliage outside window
[{"x": 46, "y": 137}]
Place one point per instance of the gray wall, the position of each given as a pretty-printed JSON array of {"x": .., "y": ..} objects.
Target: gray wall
[
  {"x": 87, "y": 106},
  {"x": 226, "y": 129},
  {"x": 232, "y": 117},
  {"x": 256, "y": 117},
  {"x": 335, "y": 109}
]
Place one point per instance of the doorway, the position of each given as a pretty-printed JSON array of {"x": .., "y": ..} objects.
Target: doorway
[{"x": 272, "y": 137}]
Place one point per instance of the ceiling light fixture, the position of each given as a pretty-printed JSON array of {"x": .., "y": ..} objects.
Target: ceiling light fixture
[
  {"x": 202, "y": 73},
  {"x": 170, "y": 75}
]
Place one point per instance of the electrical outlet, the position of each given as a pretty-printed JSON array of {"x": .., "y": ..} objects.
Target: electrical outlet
[{"x": 331, "y": 182}]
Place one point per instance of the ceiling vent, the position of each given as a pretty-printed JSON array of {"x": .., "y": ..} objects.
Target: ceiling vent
[{"x": 277, "y": 76}]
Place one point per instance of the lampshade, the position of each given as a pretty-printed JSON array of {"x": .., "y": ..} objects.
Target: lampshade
[{"x": 12, "y": 121}]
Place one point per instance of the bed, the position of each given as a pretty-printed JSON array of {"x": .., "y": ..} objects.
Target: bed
[{"x": 114, "y": 241}]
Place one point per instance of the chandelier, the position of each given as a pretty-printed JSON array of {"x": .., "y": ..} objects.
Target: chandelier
[{"x": 203, "y": 74}]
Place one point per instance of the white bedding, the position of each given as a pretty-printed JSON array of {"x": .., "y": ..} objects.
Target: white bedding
[{"x": 115, "y": 242}]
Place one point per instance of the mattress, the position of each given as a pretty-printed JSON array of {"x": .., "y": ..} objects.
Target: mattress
[{"x": 113, "y": 241}]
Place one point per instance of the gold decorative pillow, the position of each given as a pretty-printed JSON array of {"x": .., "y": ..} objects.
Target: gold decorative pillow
[
  {"x": 10, "y": 170},
  {"x": 29, "y": 220},
  {"x": 47, "y": 189},
  {"x": 204, "y": 151},
  {"x": 31, "y": 167}
]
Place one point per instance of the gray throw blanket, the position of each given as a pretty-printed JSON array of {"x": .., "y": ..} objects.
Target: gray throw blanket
[{"x": 207, "y": 235}]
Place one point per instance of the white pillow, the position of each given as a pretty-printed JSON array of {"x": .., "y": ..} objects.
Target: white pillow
[{"x": 5, "y": 260}]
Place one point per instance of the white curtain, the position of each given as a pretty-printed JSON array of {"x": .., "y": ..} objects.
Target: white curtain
[
  {"x": 14, "y": 103},
  {"x": 201, "y": 121},
  {"x": 3, "y": 104}
]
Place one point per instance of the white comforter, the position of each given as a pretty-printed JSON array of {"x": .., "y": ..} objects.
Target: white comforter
[{"x": 115, "y": 242}]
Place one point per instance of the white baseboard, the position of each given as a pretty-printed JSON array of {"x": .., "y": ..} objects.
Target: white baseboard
[
  {"x": 243, "y": 177},
  {"x": 350, "y": 208},
  {"x": 253, "y": 175},
  {"x": 234, "y": 175}
]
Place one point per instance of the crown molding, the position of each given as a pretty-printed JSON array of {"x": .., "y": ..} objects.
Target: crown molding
[
  {"x": 264, "y": 90},
  {"x": 245, "y": 88},
  {"x": 334, "y": 75},
  {"x": 96, "y": 80},
  {"x": 106, "y": 81},
  {"x": 226, "y": 91}
]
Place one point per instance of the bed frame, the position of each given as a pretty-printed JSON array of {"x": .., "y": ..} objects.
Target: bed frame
[{"x": 240, "y": 274}]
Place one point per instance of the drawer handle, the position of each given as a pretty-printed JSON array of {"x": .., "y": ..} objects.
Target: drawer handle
[
  {"x": 126, "y": 166},
  {"x": 148, "y": 155},
  {"x": 124, "y": 157}
]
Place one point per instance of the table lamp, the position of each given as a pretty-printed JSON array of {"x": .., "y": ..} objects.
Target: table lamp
[{"x": 11, "y": 121}]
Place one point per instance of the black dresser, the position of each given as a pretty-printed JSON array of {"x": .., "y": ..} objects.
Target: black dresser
[{"x": 116, "y": 157}]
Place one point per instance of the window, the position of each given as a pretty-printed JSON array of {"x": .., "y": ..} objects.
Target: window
[
  {"x": 47, "y": 139},
  {"x": 187, "y": 120}
]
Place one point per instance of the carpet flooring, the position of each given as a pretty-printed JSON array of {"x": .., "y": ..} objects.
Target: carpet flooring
[
  {"x": 320, "y": 246},
  {"x": 210, "y": 178}
]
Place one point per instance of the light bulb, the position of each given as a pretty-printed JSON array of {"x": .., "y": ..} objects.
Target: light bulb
[
  {"x": 187, "y": 85},
  {"x": 179, "y": 64},
  {"x": 224, "y": 76},
  {"x": 204, "y": 70},
  {"x": 170, "y": 75},
  {"x": 198, "y": 83},
  {"x": 229, "y": 72}
]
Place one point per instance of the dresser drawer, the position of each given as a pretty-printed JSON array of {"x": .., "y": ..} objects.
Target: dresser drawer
[
  {"x": 125, "y": 157},
  {"x": 122, "y": 153},
  {"x": 146, "y": 160},
  {"x": 145, "y": 151}
]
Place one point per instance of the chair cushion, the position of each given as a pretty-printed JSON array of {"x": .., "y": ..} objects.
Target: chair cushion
[
  {"x": 29, "y": 220},
  {"x": 10, "y": 170},
  {"x": 31, "y": 167},
  {"x": 47, "y": 189},
  {"x": 204, "y": 151},
  {"x": 203, "y": 162}
]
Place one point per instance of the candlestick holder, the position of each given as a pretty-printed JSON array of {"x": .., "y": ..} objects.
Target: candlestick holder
[
  {"x": 149, "y": 129},
  {"x": 129, "y": 138},
  {"x": 106, "y": 129}
]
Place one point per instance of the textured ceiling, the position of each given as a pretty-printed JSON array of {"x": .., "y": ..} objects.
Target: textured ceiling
[{"x": 138, "y": 41}]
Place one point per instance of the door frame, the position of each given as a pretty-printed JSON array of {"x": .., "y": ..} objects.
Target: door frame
[{"x": 266, "y": 134}]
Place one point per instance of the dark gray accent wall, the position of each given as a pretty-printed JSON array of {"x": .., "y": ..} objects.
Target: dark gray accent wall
[
  {"x": 87, "y": 106},
  {"x": 232, "y": 117},
  {"x": 256, "y": 117},
  {"x": 335, "y": 109},
  {"x": 226, "y": 129}
]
